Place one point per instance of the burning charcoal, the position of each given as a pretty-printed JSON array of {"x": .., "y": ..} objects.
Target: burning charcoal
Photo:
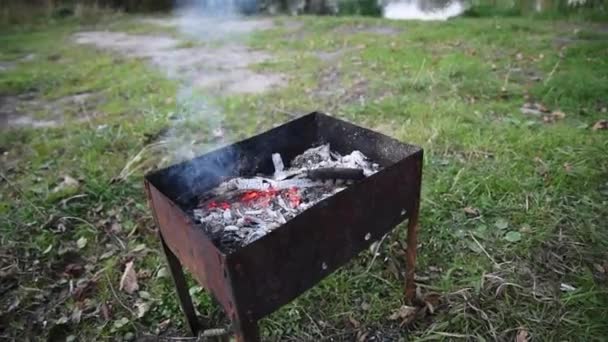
[
  {"x": 336, "y": 173},
  {"x": 242, "y": 210}
]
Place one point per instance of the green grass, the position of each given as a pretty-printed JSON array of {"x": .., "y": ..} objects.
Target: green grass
[{"x": 444, "y": 86}]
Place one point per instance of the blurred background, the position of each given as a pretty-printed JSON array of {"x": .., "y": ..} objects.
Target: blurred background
[{"x": 13, "y": 12}]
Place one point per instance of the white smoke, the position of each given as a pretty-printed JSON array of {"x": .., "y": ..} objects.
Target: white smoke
[
  {"x": 414, "y": 10},
  {"x": 199, "y": 120},
  {"x": 198, "y": 123}
]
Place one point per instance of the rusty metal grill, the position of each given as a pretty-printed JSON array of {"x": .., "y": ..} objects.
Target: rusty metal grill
[{"x": 253, "y": 281}]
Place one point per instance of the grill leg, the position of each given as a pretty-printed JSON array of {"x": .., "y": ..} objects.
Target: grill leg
[
  {"x": 247, "y": 331},
  {"x": 410, "y": 284},
  {"x": 182, "y": 289}
]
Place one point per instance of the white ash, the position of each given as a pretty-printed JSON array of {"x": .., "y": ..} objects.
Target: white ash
[
  {"x": 241, "y": 210},
  {"x": 322, "y": 156}
]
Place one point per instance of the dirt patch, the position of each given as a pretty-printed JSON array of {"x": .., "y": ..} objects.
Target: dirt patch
[
  {"x": 9, "y": 65},
  {"x": 579, "y": 34},
  {"x": 28, "y": 110},
  {"x": 221, "y": 68},
  {"x": 334, "y": 91},
  {"x": 6, "y": 66},
  {"x": 332, "y": 56},
  {"x": 376, "y": 29}
]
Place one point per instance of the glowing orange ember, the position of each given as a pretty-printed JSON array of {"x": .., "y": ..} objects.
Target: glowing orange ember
[
  {"x": 262, "y": 197},
  {"x": 221, "y": 205},
  {"x": 293, "y": 197}
]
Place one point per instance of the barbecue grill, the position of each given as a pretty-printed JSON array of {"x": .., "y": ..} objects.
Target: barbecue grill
[{"x": 254, "y": 280}]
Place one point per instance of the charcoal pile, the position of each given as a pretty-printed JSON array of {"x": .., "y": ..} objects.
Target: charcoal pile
[{"x": 241, "y": 210}]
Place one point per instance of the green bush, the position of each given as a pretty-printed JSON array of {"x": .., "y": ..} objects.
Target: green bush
[
  {"x": 594, "y": 10},
  {"x": 481, "y": 11},
  {"x": 360, "y": 7}
]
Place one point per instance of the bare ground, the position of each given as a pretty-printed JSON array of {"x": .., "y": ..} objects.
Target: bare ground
[
  {"x": 21, "y": 110},
  {"x": 383, "y": 30},
  {"x": 223, "y": 68}
]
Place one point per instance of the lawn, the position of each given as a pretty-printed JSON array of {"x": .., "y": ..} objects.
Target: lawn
[{"x": 513, "y": 237}]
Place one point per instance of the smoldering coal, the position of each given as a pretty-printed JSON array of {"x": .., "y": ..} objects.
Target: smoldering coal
[{"x": 244, "y": 209}]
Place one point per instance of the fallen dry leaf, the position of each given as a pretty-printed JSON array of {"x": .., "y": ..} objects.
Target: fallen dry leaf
[
  {"x": 62, "y": 320},
  {"x": 162, "y": 326},
  {"x": 542, "y": 107},
  {"x": 356, "y": 324},
  {"x": 81, "y": 243},
  {"x": 73, "y": 270},
  {"x": 105, "y": 312},
  {"x": 139, "y": 247},
  {"x": 142, "y": 308},
  {"x": 106, "y": 255},
  {"x": 14, "y": 304},
  {"x": 600, "y": 125},
  {"x": 76, "y": 315},
  {"x": 121, "y": 322},
  {"x": 568, "y": 167},
  {"x": 599, "y": 268},
  {"x": 115, "y": 227},
  {"x": 535, "y": 108},
  {"x": 558, "y": 114},
  {"x": 404, "y": 313},
  {"x": 144, "y": 274},
  {"x": 433, "y": 299},
  {"x": 128, "y": 281},
  {"x": 48, "y": 249},
  {"x": 434, "y": 269},
  {"x": 67, "y": 183},
  {"x": 470, "y": 211},
  {"x": 567, "y": 287},
  {"x": 553, "y": 116},
  {"x": 548, "y": 119},
  {"x": 162, "y": 273},
  {"x": 84, "y": 288},
  {"x": 362, "y": 336},
  {"x": 522, "y": 335},
  {"x": 98, "y": 209}
]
